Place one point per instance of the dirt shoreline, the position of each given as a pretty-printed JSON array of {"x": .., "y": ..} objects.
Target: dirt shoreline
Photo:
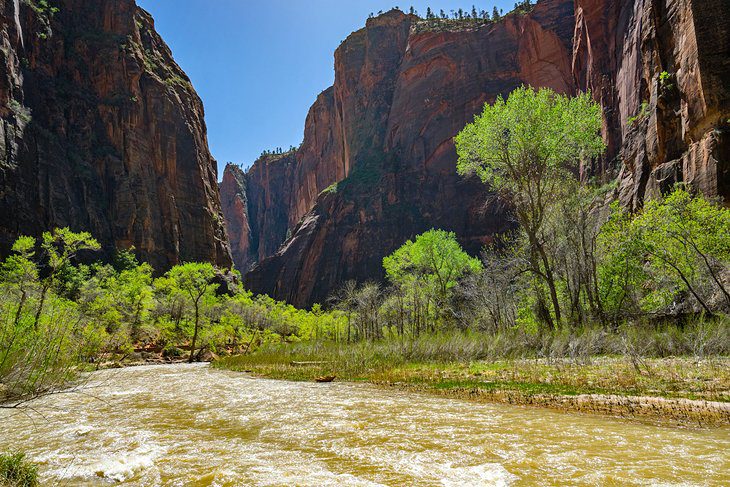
[{"x": 676, "y": 411}]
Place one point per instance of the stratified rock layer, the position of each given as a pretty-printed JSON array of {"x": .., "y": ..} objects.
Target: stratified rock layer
[
  {"x": 377, "y": 165},
  {"x": 101, "y": 131}
]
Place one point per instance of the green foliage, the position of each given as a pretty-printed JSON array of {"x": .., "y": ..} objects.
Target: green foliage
[
  {"x": 530, "y": 141},
  {"x": 17, "y": 471},
  {"x": 42, "y": 7},
  {"x": 676, "y": 250},
  {"x": 22, "y": 113},
  {"x": 56, "y": 314},
  {"x": 528, "y": 148},
  {"x": 643, "y": 114},
  {"x": 435, "y": 258}
]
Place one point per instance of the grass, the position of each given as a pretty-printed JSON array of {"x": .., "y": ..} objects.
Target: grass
[
  {"x": 692, "y": 363},
  {"x": 17, "y": 471},
  {"x": 684, "y": 377}
]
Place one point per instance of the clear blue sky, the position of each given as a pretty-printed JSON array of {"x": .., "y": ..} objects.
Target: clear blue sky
[{"x": 259, "y": 65}]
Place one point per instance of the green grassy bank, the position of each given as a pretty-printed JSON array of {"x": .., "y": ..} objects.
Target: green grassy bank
[{"x": 678, "y": 389}]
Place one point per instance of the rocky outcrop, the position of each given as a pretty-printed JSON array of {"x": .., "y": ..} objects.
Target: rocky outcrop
[
  {"x": 234, "y": 203},
  {"x": 100, "y": 130},
  {"x": 377, "y": 165}
]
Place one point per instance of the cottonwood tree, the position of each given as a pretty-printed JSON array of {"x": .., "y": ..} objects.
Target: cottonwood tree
[
  {"x": 526, "y": 148},
  {"x": 435, "y": 262},
  {"x": 195, "y": 281},
  {"x": 676, "y": 245},
  {"x": 59, "y": 248}
]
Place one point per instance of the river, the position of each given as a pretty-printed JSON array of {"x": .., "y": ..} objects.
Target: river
[{"x": 190, "y": 425}]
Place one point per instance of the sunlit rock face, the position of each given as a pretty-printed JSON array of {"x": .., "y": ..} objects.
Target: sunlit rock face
[
  {"x": 384, "y": 133},
  {"x": 377, "y": 165},
  {"x": 101, "y": 131}
]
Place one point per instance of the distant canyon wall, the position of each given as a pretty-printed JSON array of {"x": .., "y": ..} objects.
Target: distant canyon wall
[{"x": 377, "y": 165}]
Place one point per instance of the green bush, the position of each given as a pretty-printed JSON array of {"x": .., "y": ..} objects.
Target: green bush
[{"x": 17, "y": 471}]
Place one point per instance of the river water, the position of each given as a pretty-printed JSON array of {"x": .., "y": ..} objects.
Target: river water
[{"x": 190, "y": 425}]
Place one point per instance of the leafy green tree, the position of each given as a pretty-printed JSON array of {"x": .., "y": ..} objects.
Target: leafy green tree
[
  {"x": 433, "y": 260},
  {"x": 195, "y": 281},
  {"x": 675, "y": 245},
  {"x": 20, "y": 272},
  {"x": 526, "y": 148},
  {"x": 60, "y": 247}
]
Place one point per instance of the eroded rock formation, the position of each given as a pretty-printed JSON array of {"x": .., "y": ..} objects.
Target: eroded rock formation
[
  {"x": 377, "y": 165},
  {"x": 100, "y": 130}
]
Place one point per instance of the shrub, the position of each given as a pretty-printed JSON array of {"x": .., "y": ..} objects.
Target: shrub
[{"x": 16, "y": 471}]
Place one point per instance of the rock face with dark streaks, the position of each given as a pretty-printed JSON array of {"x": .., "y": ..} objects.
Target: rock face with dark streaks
[
  {"x": 101, "y": 131},
  {"x": 377, "y": 165},
  {"x": 402, "y": 92},
  {"x": 661, "y": 69}
]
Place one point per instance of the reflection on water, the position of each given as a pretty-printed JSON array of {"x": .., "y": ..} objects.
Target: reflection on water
[{"x": 189, "y": 425}]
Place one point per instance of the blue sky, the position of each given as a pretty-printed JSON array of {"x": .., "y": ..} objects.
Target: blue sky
[{"x": 259, "y": 65}]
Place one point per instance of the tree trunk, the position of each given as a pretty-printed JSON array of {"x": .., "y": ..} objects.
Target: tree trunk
[
  {"x": 195, "y": 333},
  {"x": 550, "y": 279},
  {"x": 44, "y": 290}
]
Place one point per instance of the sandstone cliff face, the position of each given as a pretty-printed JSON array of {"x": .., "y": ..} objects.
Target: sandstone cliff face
[
  {"x": 400, "y": 96},
  {"x": 661, "y": 69},
  {"x": 101, "y": 131},
  {"x": 402, "y": 90},
  {"x": 234, "y": 203}
]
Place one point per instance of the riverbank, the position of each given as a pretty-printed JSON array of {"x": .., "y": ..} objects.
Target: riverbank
[{"x": 685, "y": 391}]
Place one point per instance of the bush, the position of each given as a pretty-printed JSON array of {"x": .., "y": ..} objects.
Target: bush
[{"x": 16, "y": 471}]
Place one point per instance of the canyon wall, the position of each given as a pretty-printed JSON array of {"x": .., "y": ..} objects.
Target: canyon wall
[
  {"x": 661, "y": 70},
  {"x": 377, "y": 165},
  {"x": 101, "y": 131}
]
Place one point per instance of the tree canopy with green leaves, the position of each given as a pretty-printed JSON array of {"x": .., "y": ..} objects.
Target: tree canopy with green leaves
[
  {"x": 435, "y": 257},
  {"x": 528, "y": 149},
  {"x": 195, "y": 281},
  {"x": 676, "y": 245}
]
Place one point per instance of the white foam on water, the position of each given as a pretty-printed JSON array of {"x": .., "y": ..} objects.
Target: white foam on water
[
  {"x": 492, "y": 474},
  {"x": 119, "y": 467}
]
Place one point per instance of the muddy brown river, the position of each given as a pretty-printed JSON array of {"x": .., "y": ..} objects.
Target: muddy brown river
[{"x": 190, "y": 425}]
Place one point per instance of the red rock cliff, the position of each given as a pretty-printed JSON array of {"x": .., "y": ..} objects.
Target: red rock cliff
[
  {"x": 661, "y": 69},
  {"x": 403, "y": 89},
  {"x": 102, "y": 131}
]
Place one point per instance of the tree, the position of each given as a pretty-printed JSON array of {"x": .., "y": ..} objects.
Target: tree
[
  {"x": 194, "y": 280},
  {"x": 495, "y": 14},
  {"x": 429, "y": 13},
  {"x": 676, "y": 245},
  {"x": 474, "y": 13},
  {"x": 20, "y": 272},
  {"x": 434, "y": 260},
  {"x": 60, "y": 247},
  {"x": 345, "y": 300},
  {"x": 527, "y": 148}
]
